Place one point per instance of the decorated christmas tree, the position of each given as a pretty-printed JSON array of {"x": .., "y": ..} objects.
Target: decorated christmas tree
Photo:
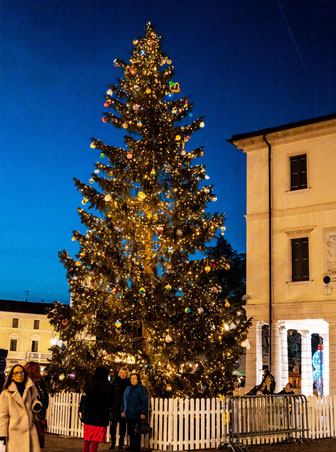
[{"x": 143, "y": 289}]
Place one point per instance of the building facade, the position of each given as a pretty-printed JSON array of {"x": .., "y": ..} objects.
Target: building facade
[
  {"x": 291, "y": 247},
  {"x": 25, "y": 331}
]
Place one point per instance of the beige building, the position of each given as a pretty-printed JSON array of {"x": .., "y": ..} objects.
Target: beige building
[
  {"x": 291, "y": 246},
  {"x": 25, "y": 331}
]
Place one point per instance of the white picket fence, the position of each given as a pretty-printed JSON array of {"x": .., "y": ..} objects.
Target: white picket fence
[
  {"x": 187, "y": 424},
  {"x": 322, "y": 416}
]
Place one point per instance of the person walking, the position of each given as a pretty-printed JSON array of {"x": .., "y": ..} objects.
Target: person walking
[
  {"x": 119, "y": 385},
  {"x": 18, "y": 402},
  {"x": 134, "y": 409},
  {"x": 96, "y": 409}
]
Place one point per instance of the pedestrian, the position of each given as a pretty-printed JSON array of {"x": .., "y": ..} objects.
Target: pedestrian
[
  {"x": 268, "y": 385},
  {"x": 96, "y": 409},
  {"x": 18, "y": 402},
  {"x": 237, "y": 391},
  {"x": 134, "y": 409},
  {"x": 288, "y": 389},
  {"x": 33, "y": 370},
  {"x": 3, "y": 356},
  {"x": 119, "y": 385}
]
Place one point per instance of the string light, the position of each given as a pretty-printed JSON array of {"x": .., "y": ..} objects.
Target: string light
[{"x": 139, "y": 293}]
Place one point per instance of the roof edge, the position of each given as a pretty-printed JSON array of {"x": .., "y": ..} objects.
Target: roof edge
[{"x": 270, "y": 130}]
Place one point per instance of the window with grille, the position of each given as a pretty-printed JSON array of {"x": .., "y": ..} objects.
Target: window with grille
[
  {"x": 36, "y": 324},
  {"x": 15, "y": 323},
  {"x": 300, "y": 259},
  {"x": 298, "y": 172}
]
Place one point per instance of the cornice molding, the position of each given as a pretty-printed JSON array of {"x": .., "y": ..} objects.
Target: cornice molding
[
  {"x": 286, "y": 136},
  {"x": 278, "y": 213}
]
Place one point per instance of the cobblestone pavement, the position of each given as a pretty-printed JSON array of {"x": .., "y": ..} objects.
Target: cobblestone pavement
[{"x": 58, "y": 443}]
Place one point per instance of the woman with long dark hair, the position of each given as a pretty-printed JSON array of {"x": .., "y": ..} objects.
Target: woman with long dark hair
[
  {"x": 96, "y": 410},
  {"x": 18, "y": 401}
]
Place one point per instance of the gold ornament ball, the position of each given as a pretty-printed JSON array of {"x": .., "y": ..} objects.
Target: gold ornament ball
[{"x": 93, "y": 146}]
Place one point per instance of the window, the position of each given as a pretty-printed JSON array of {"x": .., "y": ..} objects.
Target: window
[
  {"x": 15, "y": 323},
  {"x": 298, "y": 171},
  {"x": 13, "y": 345},
  {"x": 34, "y": 347},
  {"x": 36, "y": 324},
  {"x": 300, "y": 259}
]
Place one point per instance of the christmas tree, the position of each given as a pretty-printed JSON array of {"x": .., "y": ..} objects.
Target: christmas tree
[
  {"x": 232, "y": 282},
  {"x": 143, "y": 289}
]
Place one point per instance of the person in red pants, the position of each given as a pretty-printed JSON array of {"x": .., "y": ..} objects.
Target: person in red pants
[{"x": 96, "y": 409}]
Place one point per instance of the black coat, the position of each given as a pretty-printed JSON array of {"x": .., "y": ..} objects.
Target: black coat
[
  {"x": 96, "y": 410},
  {"x": 118, "y": 387},
  {"x": 42, "y": 396}
]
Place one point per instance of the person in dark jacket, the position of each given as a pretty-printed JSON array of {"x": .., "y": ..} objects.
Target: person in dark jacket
[
  {"x": 266, "y": 387},
  {"x": 3, "y": 356},
  {"x": 134, "y": 408},
  {"x": 96, "y": 412},
  {"x": 288, "y": 389},
  {"x": 119, "y": 385},
  {"x": 33, "y": 370}
]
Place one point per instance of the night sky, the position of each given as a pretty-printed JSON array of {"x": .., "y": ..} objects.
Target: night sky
[{"x": 246, "y": 65}]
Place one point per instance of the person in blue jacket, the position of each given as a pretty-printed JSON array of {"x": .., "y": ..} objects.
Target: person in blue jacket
[{"x": 134, "y": 408}]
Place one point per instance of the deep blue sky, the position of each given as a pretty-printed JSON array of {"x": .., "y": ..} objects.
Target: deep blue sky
[{"x": 246, "y": 65}]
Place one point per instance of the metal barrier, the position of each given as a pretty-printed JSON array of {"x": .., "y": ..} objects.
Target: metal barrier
[{"x": 275, "y": 417}]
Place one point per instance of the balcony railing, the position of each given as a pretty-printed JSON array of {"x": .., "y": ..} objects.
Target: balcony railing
[{"x": 40, "y": 357}]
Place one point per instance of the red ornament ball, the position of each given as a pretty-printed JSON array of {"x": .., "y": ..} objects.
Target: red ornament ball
[
  {"x": 104, "y": 120},
  {"x": 106, "y": 104}
]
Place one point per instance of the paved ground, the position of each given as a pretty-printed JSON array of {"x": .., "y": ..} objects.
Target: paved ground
[{"x": 57, "y": 443}]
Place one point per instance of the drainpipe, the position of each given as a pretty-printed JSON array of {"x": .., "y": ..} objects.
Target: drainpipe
[{"x": 269, "y": 250}]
